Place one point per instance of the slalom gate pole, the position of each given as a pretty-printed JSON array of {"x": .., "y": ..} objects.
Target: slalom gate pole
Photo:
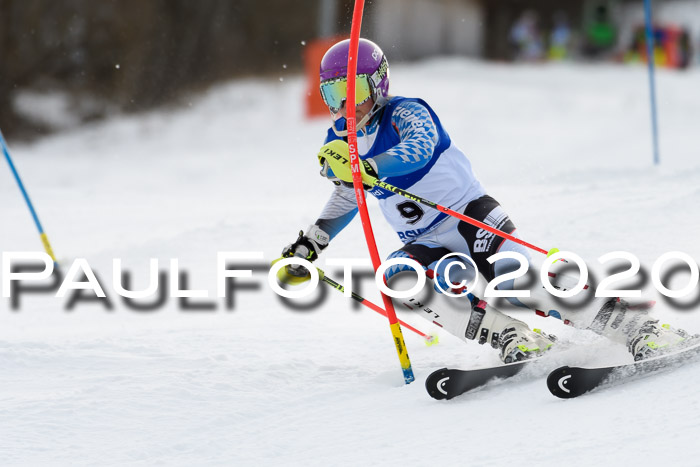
[
  {"x": 394, "y": 324},
  {"x": 648, "y": 26},
  {"x": 429, "y": 340},
  {"x": 42, "y": 234},
  {"x": 460, "y": 216}
]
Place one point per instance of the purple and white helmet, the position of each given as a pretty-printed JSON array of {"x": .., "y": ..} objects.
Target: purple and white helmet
[{"x": 371, "y": 64}]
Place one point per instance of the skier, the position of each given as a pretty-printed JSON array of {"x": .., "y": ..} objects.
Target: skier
[{"x": 402, "y": 141}]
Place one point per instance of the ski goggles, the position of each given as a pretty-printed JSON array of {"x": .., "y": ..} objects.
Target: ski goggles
[{"x": 335, "y": 91}]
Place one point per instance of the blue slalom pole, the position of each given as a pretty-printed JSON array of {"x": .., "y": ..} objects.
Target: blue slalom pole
[
  {"x": 652, "y": 83},
  {"x": 42, "y": 234}
]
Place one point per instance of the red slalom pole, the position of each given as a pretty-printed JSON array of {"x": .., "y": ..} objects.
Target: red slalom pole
[{"x": 394, "y": 324}]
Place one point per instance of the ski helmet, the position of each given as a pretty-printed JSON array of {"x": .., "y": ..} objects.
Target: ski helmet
[{"x": 372, "y": 74}]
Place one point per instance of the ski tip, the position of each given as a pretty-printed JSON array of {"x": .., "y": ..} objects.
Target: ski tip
[
  {"x": 559, "y": 384},
  {"x": 438, "y": 383}
]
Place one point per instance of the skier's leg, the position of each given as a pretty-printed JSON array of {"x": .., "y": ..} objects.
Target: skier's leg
[
  {"x": 614, "y": 318},
  {"x": 610, "y": 317},
  {"x": 482, "y": 322}
]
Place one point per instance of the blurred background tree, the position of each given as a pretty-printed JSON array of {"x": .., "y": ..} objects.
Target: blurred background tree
[{"x": 135, "y": 54}]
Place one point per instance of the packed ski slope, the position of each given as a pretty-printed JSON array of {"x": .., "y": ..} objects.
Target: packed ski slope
[{"x": 565, "y": 149}]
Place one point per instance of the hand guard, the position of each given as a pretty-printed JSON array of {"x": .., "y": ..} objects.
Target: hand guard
[
  {"x": 307, "y": 246},
  {"x": 335, "y": 164}
]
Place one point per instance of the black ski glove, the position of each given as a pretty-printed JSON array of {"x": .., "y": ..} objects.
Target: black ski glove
[{"x": 307, "y": 246}]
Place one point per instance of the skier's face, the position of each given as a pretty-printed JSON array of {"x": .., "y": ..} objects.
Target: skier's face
[{"x": 360, "y": 109}]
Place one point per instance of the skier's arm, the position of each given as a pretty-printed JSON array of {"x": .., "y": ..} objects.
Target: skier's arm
[
  {"x": 340, "y": 209},
  {"x": 338, "y": 212},
  {"x": 419, "y": 137}
]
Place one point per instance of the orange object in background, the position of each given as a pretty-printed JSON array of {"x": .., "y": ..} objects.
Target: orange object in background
[{"x": 313, "y": 53}]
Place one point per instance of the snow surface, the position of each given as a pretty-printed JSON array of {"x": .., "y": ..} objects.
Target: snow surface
[{"x": 564, "y": 148}]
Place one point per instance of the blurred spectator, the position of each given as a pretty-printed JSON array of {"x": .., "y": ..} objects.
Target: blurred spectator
[
  {"x": 526, "y": 38},
  {"x": 672, "y": 46},
  {"x": 560, "y": 37},
  {"x": 600, "y": 34}
]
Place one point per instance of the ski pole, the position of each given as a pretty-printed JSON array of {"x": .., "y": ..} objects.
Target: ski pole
[
  {"x": 429, "y": 339},
  {"x": 42, "y": 234},
  {"x": 460, "y": 216},
  {"x": 351, "y": 114}
]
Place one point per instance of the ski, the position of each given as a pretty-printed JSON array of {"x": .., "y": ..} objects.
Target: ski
[
  {"x": 447, "y": 383},
  {"x": 569, "y": 382}
]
